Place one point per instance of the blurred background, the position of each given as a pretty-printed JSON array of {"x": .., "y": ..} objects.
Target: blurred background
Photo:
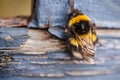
[
  {"x": 37, "y": 55},
  {"x": 15, "y": 12},
  {"x": 104, "y": 13},
  {"x": 10, "y": 8}
]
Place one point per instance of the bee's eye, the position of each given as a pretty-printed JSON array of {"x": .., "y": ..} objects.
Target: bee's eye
[
  {"x": 74, "y": 14},
  {"x": 82, "y": 25}
]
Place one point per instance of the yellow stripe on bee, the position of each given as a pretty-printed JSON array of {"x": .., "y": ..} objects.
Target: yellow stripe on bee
[
  {"x": 86, "y": 36},
  {"x": 74, "y": 42},
  {"x": 94, "y": 37},
  {"x": 78, "y": 18}
]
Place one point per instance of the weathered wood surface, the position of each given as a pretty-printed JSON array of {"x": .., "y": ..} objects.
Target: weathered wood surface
[
  {"x": 104, "y": 13},
  {"x": 42, "y": 41},
  {"x": 43, "y": 57},
  {"x": 101, "y": 11}
]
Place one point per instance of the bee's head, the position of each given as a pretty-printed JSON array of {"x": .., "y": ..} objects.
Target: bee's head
[
  {"x": 78, "y": 21},
  {"x": 82, "y": 27}
]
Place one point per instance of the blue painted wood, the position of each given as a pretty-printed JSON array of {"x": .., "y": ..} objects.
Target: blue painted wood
[
  {"x": 11, "y": 38},
  {"x": 53, "y": 10},
  {"x": 103, "y": 12}
]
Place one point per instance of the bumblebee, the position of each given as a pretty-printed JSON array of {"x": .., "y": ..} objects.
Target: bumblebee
[{"x": 81, "y": 36}]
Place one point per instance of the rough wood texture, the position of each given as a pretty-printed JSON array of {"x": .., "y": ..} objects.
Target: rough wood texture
[
  {"x": 53, "y": 10},
  {"x": 43, "y": 57},
  {"x": 103, "y": 12},
  {"x": 42, "y": 41}
]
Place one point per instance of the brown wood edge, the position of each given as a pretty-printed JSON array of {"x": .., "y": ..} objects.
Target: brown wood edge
[{"x": 33, "y": 5}]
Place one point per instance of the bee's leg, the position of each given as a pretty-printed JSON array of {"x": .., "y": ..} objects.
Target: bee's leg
[{"x": 69, "y": 47}]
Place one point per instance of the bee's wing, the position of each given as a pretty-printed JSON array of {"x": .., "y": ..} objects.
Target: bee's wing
[{"x": 86, "y": 47}]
